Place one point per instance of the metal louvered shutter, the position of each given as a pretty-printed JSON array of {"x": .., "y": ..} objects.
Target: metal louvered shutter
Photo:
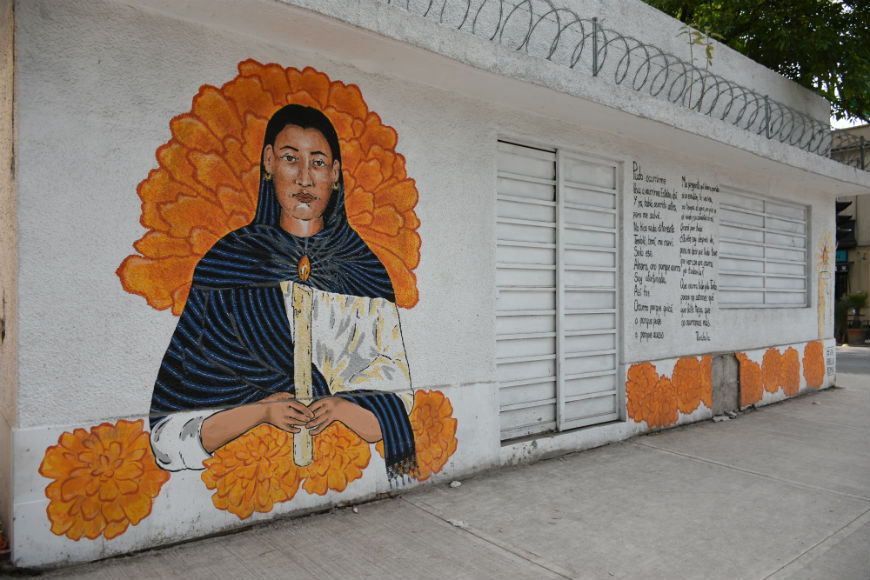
[
  {"x": 762, "y": 252},
  {"x": 556, "y": 275}
]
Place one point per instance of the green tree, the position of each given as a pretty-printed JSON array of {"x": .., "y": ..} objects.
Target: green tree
[{"x": 823, "y": 45}]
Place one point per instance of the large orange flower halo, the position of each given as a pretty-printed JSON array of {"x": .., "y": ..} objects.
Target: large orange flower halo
[{"x": 207, "y": 180}]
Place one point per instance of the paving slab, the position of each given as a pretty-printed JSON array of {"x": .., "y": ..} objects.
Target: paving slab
[
  {"x": 631, "y": 511},
  {"x": 844, "y": 555},
  {"x": 385, "y": 539},
  {"x": 819, "y": 440},
  {"x": 775, "y": 492}
]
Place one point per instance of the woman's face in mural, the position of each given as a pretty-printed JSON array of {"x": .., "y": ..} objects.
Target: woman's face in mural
[{"x": 303, "y": 172}]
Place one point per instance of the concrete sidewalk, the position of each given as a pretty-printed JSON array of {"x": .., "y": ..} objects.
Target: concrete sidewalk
[{"x": 781, "y": 492}]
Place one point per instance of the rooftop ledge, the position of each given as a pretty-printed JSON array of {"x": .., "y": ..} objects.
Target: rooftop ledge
[
  {"x": 601, "y": 51},
  {"x": 577, "y": 56}
]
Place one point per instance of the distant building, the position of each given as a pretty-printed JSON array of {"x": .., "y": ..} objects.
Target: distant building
[{"x": 852, "y": 147}]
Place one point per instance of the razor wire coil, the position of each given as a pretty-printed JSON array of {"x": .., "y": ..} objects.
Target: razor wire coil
[{"x": 544, "y": 29}]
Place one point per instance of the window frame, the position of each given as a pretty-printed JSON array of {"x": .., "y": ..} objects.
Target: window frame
[{"x": 776, "y": 267}]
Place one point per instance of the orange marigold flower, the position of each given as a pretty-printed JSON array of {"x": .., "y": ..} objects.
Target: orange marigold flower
[
  {"x": 253, "y": 472},
  {"x": 751, "y": 390},
  {"x": 791, "y": 372},
  {"x": 814, "y": 364},
  {"x": 651, "y": 398},
  {"x": 771, "y": 370},
  {"x": 642, "y": 378},
  {"x": 340, "y": 455},
  {"x": 663, "y": 408},
  {"x": 208, "y": 176},
  {"x": 104, "y": 480},
  {"x": 687, "y": 384},
  {"x": 434, "y": 432}
]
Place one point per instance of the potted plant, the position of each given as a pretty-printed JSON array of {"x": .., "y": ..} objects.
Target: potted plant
[
  {"x": 841, "y": 318},
  {"x": 852, "y": 304}
]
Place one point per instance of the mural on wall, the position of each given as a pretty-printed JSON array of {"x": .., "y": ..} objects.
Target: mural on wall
[
  {"x": 674, "y": 246},
  {"x": 825, "y": 269},
  {"x": 104, "y": 480},
  {"x": 282, "y": 231},
  {"x": 780, "y": 370},
  {"x": 659, "y": 399}
]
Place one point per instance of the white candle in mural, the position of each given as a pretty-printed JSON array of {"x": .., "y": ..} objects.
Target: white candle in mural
[{"x": 303, "y": 448}]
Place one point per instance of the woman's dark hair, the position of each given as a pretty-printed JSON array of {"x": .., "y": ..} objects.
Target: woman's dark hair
[{"x": 306, "y": 118}]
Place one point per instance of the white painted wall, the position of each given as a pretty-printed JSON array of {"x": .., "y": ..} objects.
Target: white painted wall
[{"x": 98, "y": 82}]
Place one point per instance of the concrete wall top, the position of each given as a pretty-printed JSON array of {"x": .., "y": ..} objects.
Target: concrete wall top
[
  {"x": 514, "y": 78},
  {"x": 630, "y": 18},
  {"x": 639, "y": 19}
]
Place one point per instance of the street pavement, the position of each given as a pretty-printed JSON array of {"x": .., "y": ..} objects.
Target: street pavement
[
  {"x": 782, "y": 492},
  {"x": 853, "y": 359}
]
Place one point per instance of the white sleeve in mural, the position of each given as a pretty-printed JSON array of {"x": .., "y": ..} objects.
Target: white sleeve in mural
[{"x": 177, "y": 441}]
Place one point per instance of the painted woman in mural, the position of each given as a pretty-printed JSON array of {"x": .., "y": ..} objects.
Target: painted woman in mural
[
  {"x": 280, "y": 227},
  {"x": 291, "y": 320}
]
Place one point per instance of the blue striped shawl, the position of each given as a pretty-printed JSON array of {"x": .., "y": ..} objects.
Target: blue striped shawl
[{"x": 233, "y": 343}]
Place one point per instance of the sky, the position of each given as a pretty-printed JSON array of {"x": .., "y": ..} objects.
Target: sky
[{"x": 843, "y": 123}]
